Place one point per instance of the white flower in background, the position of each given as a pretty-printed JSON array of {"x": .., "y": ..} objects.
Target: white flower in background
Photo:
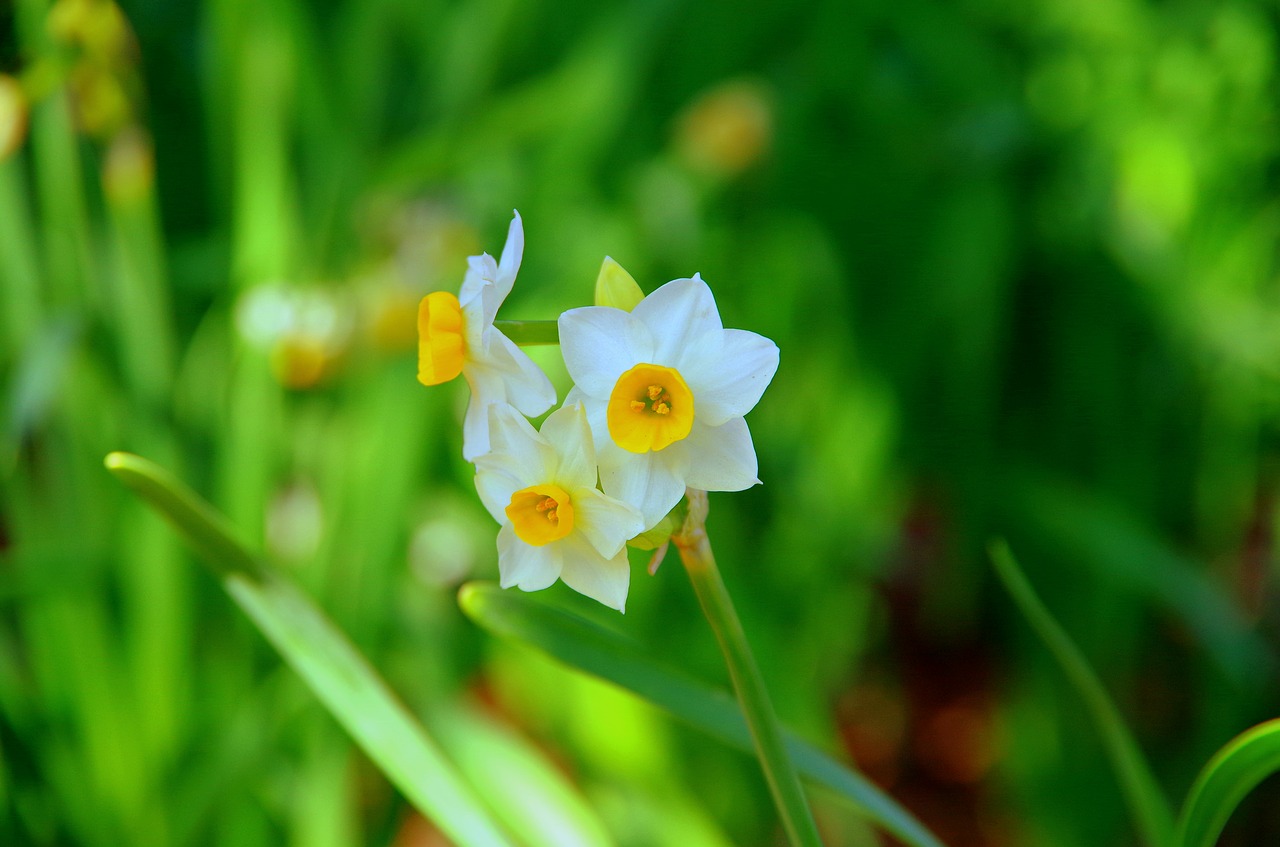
[
  {"x": 665, "y": 388},
  {"x": 456, "y": 335},
  {"x": 541, "y": 486}
]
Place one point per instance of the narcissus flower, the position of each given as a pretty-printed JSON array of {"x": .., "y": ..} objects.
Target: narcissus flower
[
  {"x": 456, "y": 335},
  {"x": 541, "y": 486},
  {"x": 665, "y": 388}
]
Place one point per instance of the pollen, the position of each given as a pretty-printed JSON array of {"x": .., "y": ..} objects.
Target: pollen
[{"x": 651, "y": 407}]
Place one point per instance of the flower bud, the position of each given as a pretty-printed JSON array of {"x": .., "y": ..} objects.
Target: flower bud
[
  {"x": 13, "y": 116},
  {"x": 615, "y": 287}
]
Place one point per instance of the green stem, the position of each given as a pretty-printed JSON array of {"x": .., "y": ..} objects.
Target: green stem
[
  {"x": 748, "y": 684},
  {"x": 530, "y": 333}
]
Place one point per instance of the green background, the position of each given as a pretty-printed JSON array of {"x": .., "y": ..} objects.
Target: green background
[{"x": 1020, "y": 260}]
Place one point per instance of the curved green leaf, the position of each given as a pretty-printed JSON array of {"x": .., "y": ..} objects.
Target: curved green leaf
[
  {"x": 1147, "y": 806},
  {"x": 605, "y": 654},
  {"x": 336, "y": 673},
  {"x": 1232, "y": 773}
]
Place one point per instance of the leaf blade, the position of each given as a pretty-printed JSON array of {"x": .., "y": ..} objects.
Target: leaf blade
[
  {"x": 602, "y": 653},
  {"x": 1147, "y": 805},
  {"x": 331, "y": 667},
  {"x": 1224, "y": 781}
]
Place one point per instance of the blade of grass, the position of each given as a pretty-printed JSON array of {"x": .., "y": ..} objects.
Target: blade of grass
[
  {"x": 1232, "y": 773},
  {"x": 1148, "y": 807},
  {"x": 337, "y": 674},
  {"x": 604, "y": 654}
]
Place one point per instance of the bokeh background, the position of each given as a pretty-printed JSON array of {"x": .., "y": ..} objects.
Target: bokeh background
[{"x": 1020, "y": 259}]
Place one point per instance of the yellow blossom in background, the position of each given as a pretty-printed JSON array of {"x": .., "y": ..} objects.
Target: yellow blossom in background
[
  {"x": 129, "y": 170},
  {"x": 13, "y": 116},
  {"x": 726, "y": 130}
]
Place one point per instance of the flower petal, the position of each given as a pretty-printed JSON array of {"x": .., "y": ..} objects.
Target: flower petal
[
  {"x": 719, "y": 458},
  {"x": 599, "y": 343},
  {"x": 525, "y": 566},
  {"x": 512, "y": 253},
  {"x": 587, "y": 572},
  {"x": 651, "y": 482},
  {"x": 475, "y": 423},
  {"x": 495, "y": 483},
  {"x": 525, "y": 386},
  {"x": 678, "y": 314},
  {"x": 728, "y": 371},
  {"x": 567, "y": 432},
  {"x": 517, "y": 447},
  {"x": 607, "y": 523},
  {"x": 482, "y": 271}
]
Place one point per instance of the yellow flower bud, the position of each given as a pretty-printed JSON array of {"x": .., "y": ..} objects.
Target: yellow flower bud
[
  {"x": 13, "y": 116},
  {"x": 615, "y": 287}
]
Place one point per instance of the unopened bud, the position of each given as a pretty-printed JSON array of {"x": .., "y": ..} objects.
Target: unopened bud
[
  {"x": 129, "y": 169},
  {"x": 658, "y": 538},
  {"x": 13, "y": 116},
  {"x": 615, "y": 287}
]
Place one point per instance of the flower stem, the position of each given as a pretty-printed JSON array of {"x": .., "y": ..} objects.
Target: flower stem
[
  {"x": 530, "y": 333},
  {"x": 766, "y": 733}
]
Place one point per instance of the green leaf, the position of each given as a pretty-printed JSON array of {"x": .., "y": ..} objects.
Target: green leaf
[
  {"x": 526, "y": 791},
  {"x": 1232, "y": 773},
  {"x": 337, "y": 674},
  {"x": 605, "y": 654},
  {"x": 1147, "y": 806}
]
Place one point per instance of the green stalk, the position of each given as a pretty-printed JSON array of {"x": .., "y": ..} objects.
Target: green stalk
[
  {"x": 530, "y": 333},
  {"x": 748, "y": 684}
]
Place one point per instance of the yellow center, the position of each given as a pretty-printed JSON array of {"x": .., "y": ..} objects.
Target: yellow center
[
  {"x": 650, "y": 408},
  {"x": 540, "y": 514},
  {"x": 441, "y": 348}
]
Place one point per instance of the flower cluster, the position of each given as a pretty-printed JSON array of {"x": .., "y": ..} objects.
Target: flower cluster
[{"x": 657, "y": 406}]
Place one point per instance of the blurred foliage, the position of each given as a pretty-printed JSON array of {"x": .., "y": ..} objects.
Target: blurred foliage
[{"x": 1020, "y": 260}]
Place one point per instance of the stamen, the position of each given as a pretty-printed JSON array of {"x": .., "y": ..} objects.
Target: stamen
[
  {"x": 553, "y": 517},
  {"x": 637, "y": 405},
  {"x": 655, "y": 391},
  {"x": 548, "y": 503},
  {"x": 662, "y": 408}
]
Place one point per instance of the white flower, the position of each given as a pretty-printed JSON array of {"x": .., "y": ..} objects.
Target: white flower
[
  {"x": 456, "y": 335},
  {"x": 541, "y": 486},
  {"x": 665, "y": 388}
]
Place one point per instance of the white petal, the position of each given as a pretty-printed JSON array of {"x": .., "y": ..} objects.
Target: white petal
[
  {"x": 475, "y": 423},
  {"x": 678, "y": 314},
  {"x": 599, "y": 344},
  {"x": 523, "y": 565},
  {"x": 643, "y": 480},
  {"x": 512, "y": 253},
  {"x": 720, "y": 458},
  {"x": 567, "y": 432},
  {"x": 482, "y": 271},
  {"x": 587, "y": 572},
  {"x": 605, "y": 522},
  {"x": 495, "y": 483},
  {"x": 517, "y": 447},
  {"x": 525, "y": 386},
  {"x": 727, "y": 372}
]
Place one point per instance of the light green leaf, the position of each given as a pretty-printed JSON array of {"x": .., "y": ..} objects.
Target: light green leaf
[
  {"x": 605, "y": 654},
  {"x": 1232, "y": 773},
  {"x": 337, "y": 674},
  {"x": 526, "y": 791},
  {"x": 1147, "y": 806}
]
